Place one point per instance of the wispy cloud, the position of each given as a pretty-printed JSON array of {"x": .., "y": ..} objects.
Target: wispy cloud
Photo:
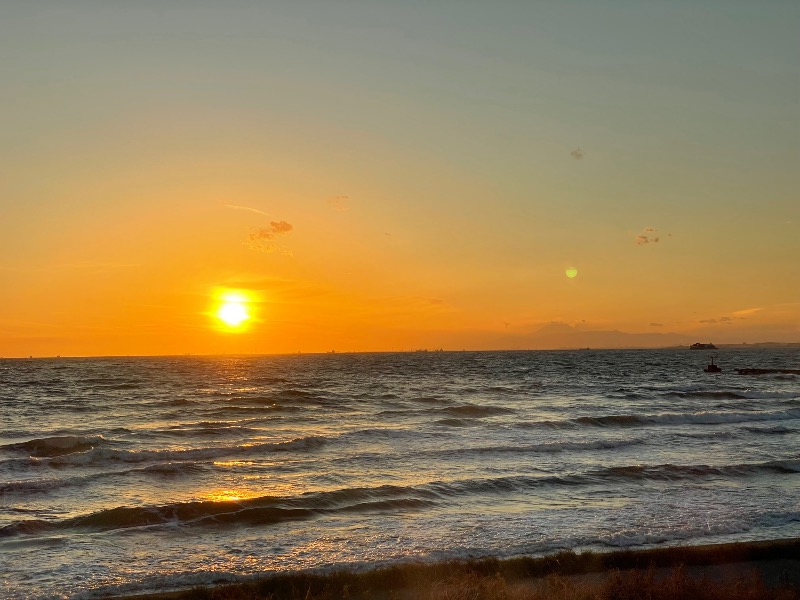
[
  {"x": 729, "y": 319},
  {"x": 263, "y": 238},
  {"x": 746, "y": 312},
  {"x": 274, "y": 228},
  {"x": 247, "y": 208},
  {"x": 649, "y": 235}
]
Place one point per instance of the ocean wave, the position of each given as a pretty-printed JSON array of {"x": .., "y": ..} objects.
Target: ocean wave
[
  {"x": 694, "y": 418},
  {"x": 777, "y": 430},
  {"x": 547, "y": 447},
  {"x": 103, "y": 455},
  {"x": 59, "y": 445},
  {"x": 743, "y": 393},
  {"x": 677, "y": 418},
  {"x": 53, "y": 484},
  {"x": 43, "y": 486},
  {"x": 474, "y": 410},
  {"x": 370, "y": 433},
  {"x": 670, "y": 472},
  {"x": 456, "y": 422},
  {"x": 711, "y": 394},
  {"x": 605, "y": 475},
  {"x": 465, "y": 411},
  {"x": 265, "y": 510},
  {"x": 205, "y": 428}
]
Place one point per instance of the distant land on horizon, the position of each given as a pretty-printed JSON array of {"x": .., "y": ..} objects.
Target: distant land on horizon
[
  {"x": 561, "y": 336},
  {"x": 554, "y": 336}
]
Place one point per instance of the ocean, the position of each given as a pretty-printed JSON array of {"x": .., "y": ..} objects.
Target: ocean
[{"x": 122, "y": 475}]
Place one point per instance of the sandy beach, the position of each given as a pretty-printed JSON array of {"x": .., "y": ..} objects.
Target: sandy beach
[{"x": 753, "y": 570}]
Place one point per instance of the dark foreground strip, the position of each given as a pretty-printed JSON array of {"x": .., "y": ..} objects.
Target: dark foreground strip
[{"x": 460, "y": 578}]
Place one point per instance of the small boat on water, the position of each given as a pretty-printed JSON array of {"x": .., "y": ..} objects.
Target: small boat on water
[{"x": 712, "y": 368}]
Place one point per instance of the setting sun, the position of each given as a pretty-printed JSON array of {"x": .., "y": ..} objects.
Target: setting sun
[
  {"x": 233, "y": 313},
  {"x": 233, "y": 310}
]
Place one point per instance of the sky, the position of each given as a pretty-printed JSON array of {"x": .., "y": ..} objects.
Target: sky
[{"x": 367, "y": 176}]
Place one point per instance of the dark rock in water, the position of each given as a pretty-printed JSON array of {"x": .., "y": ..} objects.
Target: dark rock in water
[{"x": 768, "y": 371}]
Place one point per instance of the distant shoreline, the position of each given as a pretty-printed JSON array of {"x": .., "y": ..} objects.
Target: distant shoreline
[
  {"x": 738, "y": 566},
  {"x": 753, "y": 346}
]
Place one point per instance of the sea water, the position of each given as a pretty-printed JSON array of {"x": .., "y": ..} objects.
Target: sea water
[{"x": 120, "y": 475}]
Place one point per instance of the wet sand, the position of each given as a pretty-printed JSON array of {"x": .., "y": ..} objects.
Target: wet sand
[{"x": 766, "y": 569}]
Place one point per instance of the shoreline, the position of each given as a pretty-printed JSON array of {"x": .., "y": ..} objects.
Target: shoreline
[{"x": 772, "y": 566}]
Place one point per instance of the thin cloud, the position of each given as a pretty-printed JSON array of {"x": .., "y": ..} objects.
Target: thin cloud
[
  {"x": 247, "y": 208},
  {"x": 274, "y": 228},
  {"x": 263, "y": 238},
  {"x": 725, "y": 320},
  {"x": 649, "y": 235},
  {"x": 747, "y": 312},
  {"x": 656, "y": 324}
]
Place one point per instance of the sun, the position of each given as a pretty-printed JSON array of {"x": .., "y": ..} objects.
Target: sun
[
  {"x": 232, "y": 310},
  {"x": 233, "y": 313}
]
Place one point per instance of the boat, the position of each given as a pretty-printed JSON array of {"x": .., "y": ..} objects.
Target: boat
[
  {"x": 699, "y": 346},
  {"x": 712, "y": 368}
]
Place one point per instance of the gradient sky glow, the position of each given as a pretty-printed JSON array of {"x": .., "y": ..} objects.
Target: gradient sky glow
[{"x": 389, "y": 176}]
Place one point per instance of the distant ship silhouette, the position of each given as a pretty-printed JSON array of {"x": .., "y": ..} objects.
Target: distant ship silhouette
[{"x": 699, "y": 346}]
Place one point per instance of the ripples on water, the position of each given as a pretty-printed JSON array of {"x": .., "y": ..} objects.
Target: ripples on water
[{"x": 123, "y": 474}]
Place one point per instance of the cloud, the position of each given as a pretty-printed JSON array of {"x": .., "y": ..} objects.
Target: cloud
[
  {"x": 274, "y": 228},
  {"x": 725, "y": 320},
  {"x": 262, "y": 239},
  {"x": 648, "y": 236},
  {"x": 656, "y": 324},
  {"x": 339, "y": 203},
  {"x": 577, "y": 154},
  {"x": 247, "y": 208},
  {"x": 744, "y": 313}
]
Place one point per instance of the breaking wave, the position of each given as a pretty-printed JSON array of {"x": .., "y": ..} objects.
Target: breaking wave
[
  {"x": 61, "y": 445},
  {"x": 268, "y": 510}
]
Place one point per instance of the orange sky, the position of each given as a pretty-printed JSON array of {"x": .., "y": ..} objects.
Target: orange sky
[{"x": 396, "y": 177}]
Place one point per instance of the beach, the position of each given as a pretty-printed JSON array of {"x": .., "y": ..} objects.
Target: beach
[{"x": 755, "y": 570}]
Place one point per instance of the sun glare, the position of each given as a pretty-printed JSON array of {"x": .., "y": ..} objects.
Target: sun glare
[
  {"x": 232, "y": 310},
  {"x": 233, "y": 313}
]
